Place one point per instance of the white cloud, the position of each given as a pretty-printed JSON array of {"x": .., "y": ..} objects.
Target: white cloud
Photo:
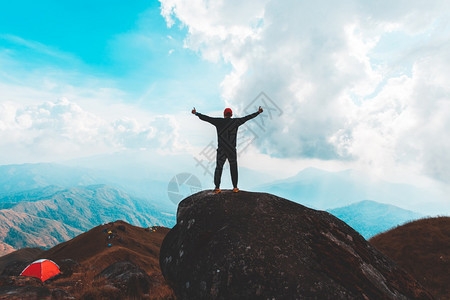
[
  {"x": 99, "y": 118},
  {"x": 348, "y": 89},
  {"x": 37, "y": 47},
  {"x": 62, "y": 130}
]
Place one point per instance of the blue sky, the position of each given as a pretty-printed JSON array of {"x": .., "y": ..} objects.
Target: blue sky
[
  {"x": 358, "y": 85},
  {"x": 70, "y": 26},
  {"x": 127, "y": 44}
]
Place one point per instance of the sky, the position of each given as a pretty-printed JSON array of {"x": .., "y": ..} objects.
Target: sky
[{"x": 349, "y": 84}]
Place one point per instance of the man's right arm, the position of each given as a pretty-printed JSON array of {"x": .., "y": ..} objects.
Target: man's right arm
[{"x": 250, "y": 116}]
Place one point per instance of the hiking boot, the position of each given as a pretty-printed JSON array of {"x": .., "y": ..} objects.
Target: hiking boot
[
  {"x": 216, "y": 191},
  {"x": 235, "y": 190}
]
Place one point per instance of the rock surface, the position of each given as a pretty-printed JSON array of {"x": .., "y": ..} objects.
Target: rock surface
[
  {"x": 25, "y": 292},
  {"x": 127, "y": 276},
  {"x": 258, "y": 246},
  {"x": 21, "y": 287}
]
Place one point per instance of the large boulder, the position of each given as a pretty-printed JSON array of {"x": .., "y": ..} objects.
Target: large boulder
[{"x": 259, "y": 246}]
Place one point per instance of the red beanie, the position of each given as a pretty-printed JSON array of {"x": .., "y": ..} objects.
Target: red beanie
[{"x": 227, "y": 112}]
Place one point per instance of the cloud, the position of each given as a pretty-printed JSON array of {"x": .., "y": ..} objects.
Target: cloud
[
  {"x": 100, "y": 117},
  {"x": 36, "y": 47},
  {"x": 404, "y": 124},
  {"x": 356, "y": 80},
  {"x": 63, "y": 130}
]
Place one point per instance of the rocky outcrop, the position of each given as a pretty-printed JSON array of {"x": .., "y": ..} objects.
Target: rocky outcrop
[
  {"x": 20, "y": 287},
  {"x": 25, "y": 292},
  {"x": 128, "y": 277},
  {"x": 258, "y": 246}
]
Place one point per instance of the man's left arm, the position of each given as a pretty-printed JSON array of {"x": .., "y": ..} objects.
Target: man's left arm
[{"x": 251, "y": 116}]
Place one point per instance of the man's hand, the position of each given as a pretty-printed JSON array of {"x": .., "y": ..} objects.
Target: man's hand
[
  {"x": 260, "y": 110},
  {"x": 194, "y": 111}
]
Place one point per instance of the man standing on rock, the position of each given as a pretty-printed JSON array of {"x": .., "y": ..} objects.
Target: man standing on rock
[{"x": 227, "y": 128}]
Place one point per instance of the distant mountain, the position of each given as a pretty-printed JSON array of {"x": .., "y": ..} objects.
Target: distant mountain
[
  {"x": 370, "y": 218},
  {"x": 12, "y": 199},
  {"x": 86, "y": 207},
  {"x": 25, "y": 177},
  {"x": 148, "y": 173},
  {"x": 48, "y": 216},
  {"x": 326, "y": 190},
  {"x": 422, "y": 248},
  {"x": 34, "y": 177},
  {"x": 5, "y": 248},
  {"x": 19, "y": 230}
]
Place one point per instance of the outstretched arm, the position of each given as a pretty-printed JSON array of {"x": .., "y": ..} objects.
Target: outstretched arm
[
  {"x": 250, "y": 116},
  {"x": 204, "y": 117}
]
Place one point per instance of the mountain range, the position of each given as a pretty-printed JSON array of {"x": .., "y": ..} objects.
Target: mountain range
[
  {"x": 325, "y": 190},
  {"x": 44, "y": 217},
  {"x": 46, "y": 203},
  {"x": 27, "y": 177},
  {"x": 370, "y": 218}
]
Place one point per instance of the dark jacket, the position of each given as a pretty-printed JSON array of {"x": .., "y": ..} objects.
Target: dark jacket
[{"x": 227, "y": 129}]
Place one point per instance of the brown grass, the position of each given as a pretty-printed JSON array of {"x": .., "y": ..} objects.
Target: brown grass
[
  {"x": 422, "y": 248},
  {"x": 91, "y": 251}
]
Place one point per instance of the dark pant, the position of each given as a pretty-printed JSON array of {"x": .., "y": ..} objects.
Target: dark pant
[{"x": 223, "y": 155}]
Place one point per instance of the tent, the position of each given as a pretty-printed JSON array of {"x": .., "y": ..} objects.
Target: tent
[{"x": 42, "y": 269}]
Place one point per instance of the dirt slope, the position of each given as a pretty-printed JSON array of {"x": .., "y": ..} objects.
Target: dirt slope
[{"x": 422, "y": 248}]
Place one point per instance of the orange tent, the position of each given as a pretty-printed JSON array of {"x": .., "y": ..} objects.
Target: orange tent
[{"x": 42, "y": 269}]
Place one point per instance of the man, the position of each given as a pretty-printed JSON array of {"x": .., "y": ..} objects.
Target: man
[{"x": 227, "y": 128}]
